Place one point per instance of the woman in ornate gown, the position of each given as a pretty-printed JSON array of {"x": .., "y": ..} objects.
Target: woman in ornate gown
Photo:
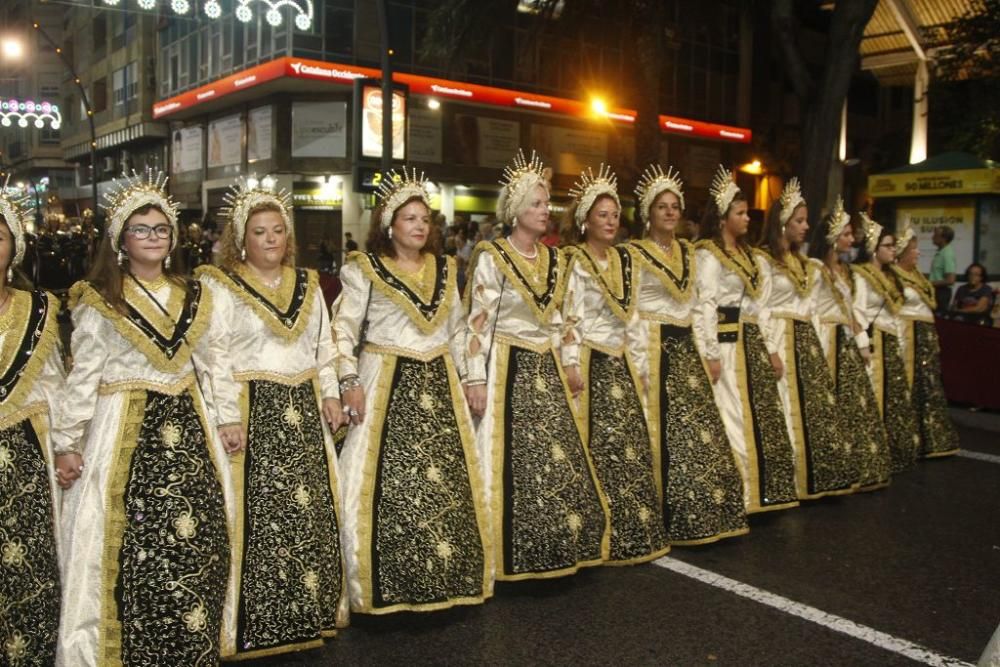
[
  {"x": 922, "y": 352},
  {"x": 31, "y": 376},
  {"x": 548, "y": 515},
  {"x": 146, "y": 541},
  {"x": 824, "y": 461},
  {"x": 700, "y": 487},
  {"x": 287, "y": 495},
  {"x": 837, "y": 329},
  {"x": 878, "y": 296},
  {"x": 415, "y": 524},
  {"x": 600, "y": 313},
  {"x": 731, "y": 306}
]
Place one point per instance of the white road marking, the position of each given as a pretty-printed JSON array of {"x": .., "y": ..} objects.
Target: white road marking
[
  {"x": 836, "y": 623},
  {"x": 979, "y": 456}
]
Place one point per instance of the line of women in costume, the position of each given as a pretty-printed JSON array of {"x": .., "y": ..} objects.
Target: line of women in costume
[{"x": 178, "y": 497}]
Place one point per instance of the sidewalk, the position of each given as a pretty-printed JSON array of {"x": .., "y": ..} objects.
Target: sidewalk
[{"x": 981, "y": 419}]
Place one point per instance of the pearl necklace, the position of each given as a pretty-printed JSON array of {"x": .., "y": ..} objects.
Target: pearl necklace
[
  {"x": 520, "y": 252},
  {"x": 272, "y": 284}
]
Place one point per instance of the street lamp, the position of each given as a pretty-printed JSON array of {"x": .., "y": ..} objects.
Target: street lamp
[{"x": 14, "y": 49}]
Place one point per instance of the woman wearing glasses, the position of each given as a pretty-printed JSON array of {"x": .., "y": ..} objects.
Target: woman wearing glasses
[
  {"x": 146, "y": 558},
  {"x": 286, "y": 483},
  {"x": 878, "y": 296}
]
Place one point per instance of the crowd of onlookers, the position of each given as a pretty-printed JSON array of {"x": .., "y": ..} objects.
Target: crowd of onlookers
[{"x": 974, "y": 300}]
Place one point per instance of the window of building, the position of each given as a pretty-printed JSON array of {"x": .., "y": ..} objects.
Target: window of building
[
  {"x": 100, "y": 33},
  {"x": 99, "y": 96},
  {"x": 118, "y": 87}
]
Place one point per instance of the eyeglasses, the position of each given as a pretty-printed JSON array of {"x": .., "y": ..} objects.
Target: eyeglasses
[
  {"x": 886, "y": 245},
  {"x": 142, "y": 232}
]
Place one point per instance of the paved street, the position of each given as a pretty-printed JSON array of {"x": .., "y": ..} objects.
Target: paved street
[{"x": 907, "y": 575}]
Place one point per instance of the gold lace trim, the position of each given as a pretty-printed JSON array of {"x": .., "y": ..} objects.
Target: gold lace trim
[
  {"x": 141, "y": 301},
  {"x": 616, "y": 287},
  {"x": 396, "y": 351},
  {"x": 838, "y": 297},
  {"x": 278, "y": 378},
  {"x": 799, "y": 271},
  {"x": 919, "y": 283},
  {"x": 18, "y": 310},
  {"x": 27, "y": 412},
  {"x": 742, "y": 264},
  {"x": 882, "y": 285},
  {"x": 532, "y": 284},
  {"x": 173, "y": 389},
  {"x": 401, "y": 299},
  {"x": 674, "y": 277},
  {"x": 283, "y": 295},
  {"x": 83, "y": 292}
]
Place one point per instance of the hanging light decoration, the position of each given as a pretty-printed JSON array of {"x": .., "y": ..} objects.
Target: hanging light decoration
[
  {"x": 213, "y": 9},
  {"x": 273, "y": 15},
  {"x": 26, "y": 112}
]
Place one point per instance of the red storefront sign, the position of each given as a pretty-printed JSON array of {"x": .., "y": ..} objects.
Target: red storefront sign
[{"x": 302, "y": 68}]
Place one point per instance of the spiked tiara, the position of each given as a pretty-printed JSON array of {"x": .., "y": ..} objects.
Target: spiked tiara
[
  {"x": 131, "y": 192},
  {"x": 906, "y": 234},
  {"x": 655, "y": 181},
  {"x": 15, "y": 209},
  {"x": 396, "y": 188},
  {"x": 723, "y": 189},
  {"x": 246, "y": 194},
  {"x": 791, "y": 198},
  {"x": 518, "y": 180},
  {"x": 588, "y": 188},
  {"x": 872, "y": 231},
  {"x": 838, "y": 221}
]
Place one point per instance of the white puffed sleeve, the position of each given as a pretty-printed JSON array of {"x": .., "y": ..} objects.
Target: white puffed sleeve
[
  {"x": 211, "y": 357},
  {"x": 860, "y": 300},
  {"x": 326, "y": 351},
  {"x": 707, "y": 277},
  {"x": 486, "y": 285},
  {"x": 574, "y": 315},
  {"x": 75, "y": 404},
  {"x": 636, "y": 343},
  {"x": 456, "y": 334},
  {"x": 768, "y": 330},
  {"x": 348, "y": 314}
]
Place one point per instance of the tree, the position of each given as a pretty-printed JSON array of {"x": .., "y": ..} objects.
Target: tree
[{"x": 821, "y": 98}]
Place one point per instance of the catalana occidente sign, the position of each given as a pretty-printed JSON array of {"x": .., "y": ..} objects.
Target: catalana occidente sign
[{"x": 929, "y": 183}]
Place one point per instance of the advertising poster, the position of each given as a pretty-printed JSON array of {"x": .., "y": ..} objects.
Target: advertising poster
[
  {"x": 225, "y": 141},
  {"x": 570, "y": 150},
  {"x": 319, "y": 129},
  {"x": 926, "y": 214},
  {"x": 371, "y": 123},
  {"x": 259, "y": 134},
  {"x": 424, "y": 135},
  {"x": 185, "y": 150},
  {"x": 485, "y": 142}
]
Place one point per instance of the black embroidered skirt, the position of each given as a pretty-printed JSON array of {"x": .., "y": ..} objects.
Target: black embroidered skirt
[
  {"x": 898, "y": 413},
  {"x": 291, "y": 574},
  {"x": 938, "y": 436},
  {"x": 29, "y": 567},
  {"x": 620, "y": 449}
]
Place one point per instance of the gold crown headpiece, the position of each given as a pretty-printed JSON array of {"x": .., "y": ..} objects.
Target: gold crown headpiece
[
  {"x": 518, "y": 180},
  {"x": 131, "y": 192},
  {"x": 872, "y": 230},
  {"x": 246, "y": 194},
  {"x": 903, "y": 238},
  {"x": 838, "y": 221},
  {"x": 395, "y": 189},
  {"x": 588, "y": 188},
  {"x": 15, "y": 209},
  {"x": 655, "y": 181},
  {"x": 723, "y": 190},
  {"x": 791, "y": 198}
]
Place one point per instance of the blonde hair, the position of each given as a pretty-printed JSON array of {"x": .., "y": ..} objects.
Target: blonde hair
[{"x": 229, "y": 252}]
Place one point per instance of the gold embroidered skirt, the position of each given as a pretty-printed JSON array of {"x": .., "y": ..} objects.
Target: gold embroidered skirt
[
  {"x": 747, "y": 398},
  {"x": 148, "y": 554},
  {"x": 702, "y": 488},
  {"x": 938, "y": 436},
  {"x": 618, "y": 441},
  {"x": 29, "y": 567},
  {"x": 893, "y": 391},
  {"x": 414, "y": 523},
  {"x": 547, "y": 512},
  {"x": 825, "y": 462},
  {"x": 290, "y": 573},
  {"x": 855, "y": 398}
]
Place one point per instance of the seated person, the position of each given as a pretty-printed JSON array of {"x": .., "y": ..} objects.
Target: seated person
[{"x": 973, "y": 300}]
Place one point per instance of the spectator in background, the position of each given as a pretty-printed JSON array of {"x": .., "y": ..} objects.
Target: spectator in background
[
  {"x": 551, "y": 236},
  {"x": 486, "y": 231},
  {"x": 973, "y": 300},
  {"x": 943, "y": 268},
  {"x": 350, "y": 245}
]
